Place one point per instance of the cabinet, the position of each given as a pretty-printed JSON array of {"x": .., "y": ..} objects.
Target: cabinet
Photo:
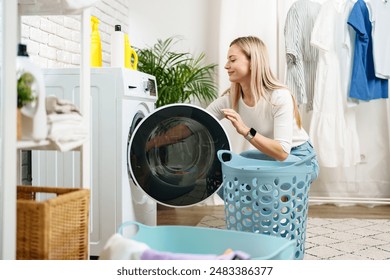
[{"x": 11, "y": 12}]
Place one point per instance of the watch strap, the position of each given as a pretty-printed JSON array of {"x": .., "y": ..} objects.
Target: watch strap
[{"x": 252, "y": 132}]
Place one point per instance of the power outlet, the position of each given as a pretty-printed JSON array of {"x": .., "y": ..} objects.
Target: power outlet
[{"x": 363, "y": 159}]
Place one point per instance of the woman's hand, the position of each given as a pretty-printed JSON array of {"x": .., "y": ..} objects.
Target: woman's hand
[{"x": 236, "y": 121}]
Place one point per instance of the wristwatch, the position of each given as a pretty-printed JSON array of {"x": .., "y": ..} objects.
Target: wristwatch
[{"x": 252, "y": 132}]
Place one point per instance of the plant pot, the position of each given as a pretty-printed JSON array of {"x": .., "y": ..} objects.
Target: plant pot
[{"x": 18, "y": 124}]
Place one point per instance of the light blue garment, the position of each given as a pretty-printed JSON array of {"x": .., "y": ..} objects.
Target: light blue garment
[
  {"x": 364, "y": 84},
  {"x": 303, "y": 151}
]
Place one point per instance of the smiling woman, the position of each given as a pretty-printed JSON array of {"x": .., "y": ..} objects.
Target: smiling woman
[{"x": 259, "y": 106}]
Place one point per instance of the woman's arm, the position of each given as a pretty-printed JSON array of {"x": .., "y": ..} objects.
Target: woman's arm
[{"x": 266, "y": 145}]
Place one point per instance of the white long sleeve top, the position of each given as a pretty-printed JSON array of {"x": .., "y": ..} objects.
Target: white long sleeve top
[{"x": 273, "y": 118}]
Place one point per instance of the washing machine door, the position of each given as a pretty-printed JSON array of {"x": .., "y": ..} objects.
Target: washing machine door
[{"x": 173, "y": 154}]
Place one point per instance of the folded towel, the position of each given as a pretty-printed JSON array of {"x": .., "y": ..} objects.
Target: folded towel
[
  {"x": 60, "y": 106},
  {"x": 64, "y": 118},
  {"x": 67, "y": 138},
  {"x": 66, "y": 127}
]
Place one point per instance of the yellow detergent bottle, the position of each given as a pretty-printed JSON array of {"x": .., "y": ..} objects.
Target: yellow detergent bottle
[
  {"x": 96, "y": 44},
  {"x": 131, "y": 57}
]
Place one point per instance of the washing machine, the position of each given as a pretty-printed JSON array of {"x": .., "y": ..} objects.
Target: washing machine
[{"x": 120, "y": 99}]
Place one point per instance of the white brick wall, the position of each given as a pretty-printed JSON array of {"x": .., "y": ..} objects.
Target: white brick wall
[{"x": 54, "y": 41}]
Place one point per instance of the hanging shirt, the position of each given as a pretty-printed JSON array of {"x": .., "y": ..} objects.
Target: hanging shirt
[
  {"x": 364, "y": 84},
  {"x": 333, "y": 129},
  {"x": 300, "y": 55},
  {"x": 379, "y": 11}
]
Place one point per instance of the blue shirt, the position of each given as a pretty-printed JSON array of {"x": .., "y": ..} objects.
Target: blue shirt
[{"x": 364, "y": 84}]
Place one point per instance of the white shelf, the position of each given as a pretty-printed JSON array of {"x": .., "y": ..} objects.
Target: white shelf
[
  {"x": 12, "y": 10},
  {"x": 51, "y": 7},
  {"x": 40, "y": 145},
  {"x": 61, "y": 7},
  {"x": 32, "y": 145}
]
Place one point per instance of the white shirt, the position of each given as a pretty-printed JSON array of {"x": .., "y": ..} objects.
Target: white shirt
[
  {"x": 333, "y": 129},
  {"x": 273, "y": 119},
  {"x": 380, "y": 18}
]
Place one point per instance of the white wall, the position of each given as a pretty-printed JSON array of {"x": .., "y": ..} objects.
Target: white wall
[
  {"x": 195, "y": 21},
  {"x": 150, "y": 20},
  {"x": 205, "y": 26},
  {"x": 243, "y": 18}
]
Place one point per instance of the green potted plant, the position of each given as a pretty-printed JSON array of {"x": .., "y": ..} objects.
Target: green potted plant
[
  {"x": 25, "y": 96},
  {"x": 180, "y": 76}
]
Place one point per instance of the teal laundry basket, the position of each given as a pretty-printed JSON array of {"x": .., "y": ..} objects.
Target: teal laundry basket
[
  {"x": 201, "y": 240},
  {"x": 265, "y": 196}
]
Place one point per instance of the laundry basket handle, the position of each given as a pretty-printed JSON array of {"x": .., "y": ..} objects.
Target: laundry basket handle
[
  {"x": 129, "y": 223},
  {"x": 225, "y": 155}
]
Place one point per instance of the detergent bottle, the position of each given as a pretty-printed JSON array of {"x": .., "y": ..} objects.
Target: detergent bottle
[
  {"x": 96, "y": 44},
  {"x": 131, "y": 57},
  {"x": 117, "y": 47},
  {"x": 30, "y": 77}
]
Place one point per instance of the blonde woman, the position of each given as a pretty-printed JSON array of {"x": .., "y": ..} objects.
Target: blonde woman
[{"x": 261, "y": 108}]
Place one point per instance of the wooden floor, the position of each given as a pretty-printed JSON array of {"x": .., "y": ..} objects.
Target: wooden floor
[{"x": 191, "y": 216}]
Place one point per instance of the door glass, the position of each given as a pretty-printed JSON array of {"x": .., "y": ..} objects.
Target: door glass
[{"x": 173, "y": 155}]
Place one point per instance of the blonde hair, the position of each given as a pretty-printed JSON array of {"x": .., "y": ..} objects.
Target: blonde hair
[{"x": 263, "y": 81}]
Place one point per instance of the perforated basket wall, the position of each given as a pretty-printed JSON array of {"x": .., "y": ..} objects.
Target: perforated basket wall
[{"x": 272, "y": 201}]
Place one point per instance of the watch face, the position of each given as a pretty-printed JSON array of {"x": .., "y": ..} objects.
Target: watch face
[
  {"x": 172, "y": 155},
  {"x": 252, "y": 132}
]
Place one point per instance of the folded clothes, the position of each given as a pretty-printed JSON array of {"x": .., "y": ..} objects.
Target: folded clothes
[
  {"x": 65, "y": 118},
  {"x": 121, "y": 248},
  {"x": 66, "y": 127},
  {"x": 59, "y": 106}
]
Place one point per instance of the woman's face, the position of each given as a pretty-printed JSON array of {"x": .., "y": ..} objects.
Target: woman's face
[{"x": 237, "y": 65}]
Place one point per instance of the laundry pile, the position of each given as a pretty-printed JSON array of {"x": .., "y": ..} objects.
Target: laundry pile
[
  {"x": 121, "y": 248},
  {"x": 66, "y": 127}
]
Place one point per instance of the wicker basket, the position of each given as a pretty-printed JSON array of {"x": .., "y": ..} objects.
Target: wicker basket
[{"x": 55, "y": 228}]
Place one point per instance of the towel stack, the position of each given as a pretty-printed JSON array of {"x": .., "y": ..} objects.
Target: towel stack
[{"x": 66, "y": 127}]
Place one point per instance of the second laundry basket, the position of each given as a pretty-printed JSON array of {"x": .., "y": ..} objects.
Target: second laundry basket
[{"x": 265, "y": 196}]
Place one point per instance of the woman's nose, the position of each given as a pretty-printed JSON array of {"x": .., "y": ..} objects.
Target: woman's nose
[{"x": 227, "y": 65}]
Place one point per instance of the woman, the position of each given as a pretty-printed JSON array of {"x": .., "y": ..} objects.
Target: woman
[{"x": 259, "y": 107}]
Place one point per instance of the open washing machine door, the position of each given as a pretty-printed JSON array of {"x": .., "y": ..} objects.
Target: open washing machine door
[{"x": 172, "y": 155}]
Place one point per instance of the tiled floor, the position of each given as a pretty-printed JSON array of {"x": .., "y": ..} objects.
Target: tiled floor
[{"x": 337, "y": 239}]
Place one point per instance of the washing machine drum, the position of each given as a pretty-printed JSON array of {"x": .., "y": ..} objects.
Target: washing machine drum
[{"x": 172, "y": 154}]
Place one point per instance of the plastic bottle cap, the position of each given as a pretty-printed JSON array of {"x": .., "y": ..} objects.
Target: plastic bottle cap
[
  {"x": 118, "y": 27},
  {"x": 22, "y": 50}
]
